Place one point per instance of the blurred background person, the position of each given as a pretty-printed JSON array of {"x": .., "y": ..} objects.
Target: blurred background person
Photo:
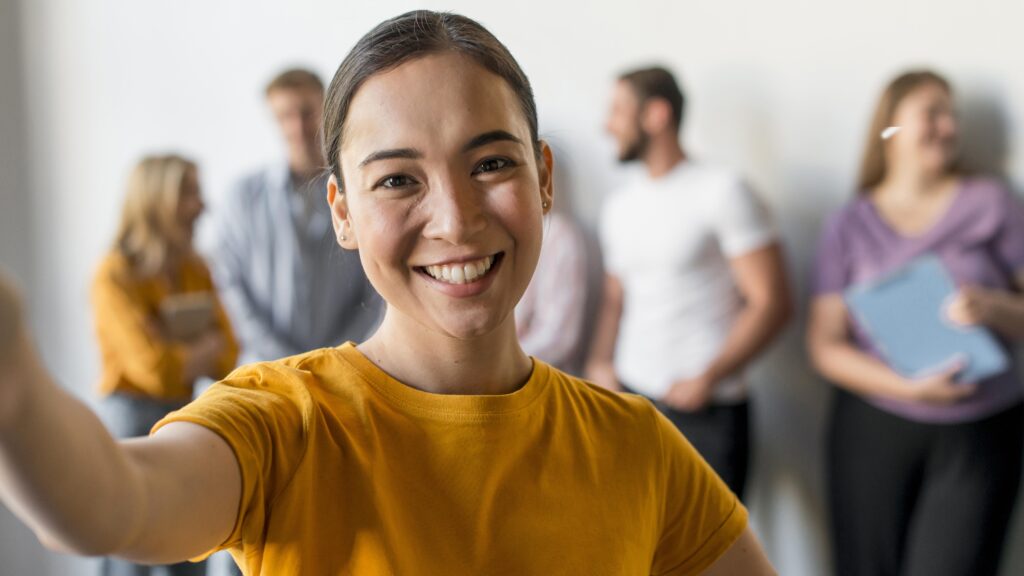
[
  {"x": 159, "y": 323},
  {"x": 550, "y": 316},
  {"x": 922, "y": 473},
  {"x": 285, "y": 285},
  {"x": 695, "y": 285}
]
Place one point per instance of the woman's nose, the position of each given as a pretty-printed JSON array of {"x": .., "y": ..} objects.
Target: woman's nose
[{"x": 457, "y": 211}]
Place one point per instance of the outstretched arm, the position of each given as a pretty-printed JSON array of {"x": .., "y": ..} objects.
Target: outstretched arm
[
  {"x": 745, "y": 556},
  {"x": 160, "y": 499}
]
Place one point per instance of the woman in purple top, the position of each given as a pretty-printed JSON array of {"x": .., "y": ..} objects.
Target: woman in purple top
[{"x": 922, "y": 473}]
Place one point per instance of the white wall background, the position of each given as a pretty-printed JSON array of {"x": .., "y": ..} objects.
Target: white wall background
[{"x": 781, "y": 90}]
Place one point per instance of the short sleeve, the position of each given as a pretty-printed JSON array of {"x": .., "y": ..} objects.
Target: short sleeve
[
  {"x": 1009, "y": 240},
  {"x": 831, "y": 274},
  {"x": 743, "y": 222},
  {"x": 702, "y": 518},
  {"x": 260, "y": 411}
]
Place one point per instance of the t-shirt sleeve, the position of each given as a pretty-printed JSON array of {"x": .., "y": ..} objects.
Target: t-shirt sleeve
[
  {"x": 1009, "y": 240},
  {"x": 702, "y": 518},
  {"x": 260, "y": 411},
  {"x": 743, "y": 222},
  {"x": 831, "y": 274}
]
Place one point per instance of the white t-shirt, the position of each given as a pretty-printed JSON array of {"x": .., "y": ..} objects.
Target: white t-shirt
[{"x": 669, "y": 242}]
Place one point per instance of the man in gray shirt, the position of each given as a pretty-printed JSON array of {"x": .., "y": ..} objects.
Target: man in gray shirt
[{"x": 287, "y": 286}]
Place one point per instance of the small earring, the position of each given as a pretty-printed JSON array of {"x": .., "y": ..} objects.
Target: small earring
[{"x": 544, "y": 204}]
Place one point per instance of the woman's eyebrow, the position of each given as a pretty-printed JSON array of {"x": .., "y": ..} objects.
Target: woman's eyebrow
[
  {"x": 407, "y": 153},
  {"x": 414, "y": 154},
  {"x": 488, "y": 137}
]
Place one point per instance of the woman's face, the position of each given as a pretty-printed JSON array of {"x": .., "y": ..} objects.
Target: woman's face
[
  {"x": 928, "y": 128},
  {"x": 190, "y": 202},
  {"x": 443, "y": 194}
]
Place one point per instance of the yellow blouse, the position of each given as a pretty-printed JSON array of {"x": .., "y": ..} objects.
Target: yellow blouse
[{"x": 138, "y": 357}]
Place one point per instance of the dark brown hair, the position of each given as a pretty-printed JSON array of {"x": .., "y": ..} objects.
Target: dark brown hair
[
  {"x": 409, "y": 36},
  {"x": 657, "y": 82},
  {"x": 295, "y": 79},
  {"x": 873, "y": 163}
]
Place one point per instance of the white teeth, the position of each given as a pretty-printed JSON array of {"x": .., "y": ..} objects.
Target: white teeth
[{"x": 461, "y": 273}]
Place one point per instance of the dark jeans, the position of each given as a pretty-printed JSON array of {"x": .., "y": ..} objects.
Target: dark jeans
[
  {"x": 720, "y": 433},
  {"x": 127, "y": 417},
  {"x": 915, "y": 499}
]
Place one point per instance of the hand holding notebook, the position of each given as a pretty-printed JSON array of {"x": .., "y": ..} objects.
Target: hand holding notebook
[
  {"x": 187, "y": 316},
  {"x": 904, "y": 314}
]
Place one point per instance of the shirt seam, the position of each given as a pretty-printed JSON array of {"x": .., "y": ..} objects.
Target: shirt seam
[
  {"x": 449, "y": 414},
  {"x": 704, "y": 544}
]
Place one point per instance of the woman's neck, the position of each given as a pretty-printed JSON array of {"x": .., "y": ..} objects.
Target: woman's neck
[
  {"x": 492, "y": 363},
  {"x": 911, "y": 183}
]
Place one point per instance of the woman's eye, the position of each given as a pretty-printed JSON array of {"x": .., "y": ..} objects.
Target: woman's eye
[
  {"x": 398, "y": 181},
  {"x": 492, "y": 164}
]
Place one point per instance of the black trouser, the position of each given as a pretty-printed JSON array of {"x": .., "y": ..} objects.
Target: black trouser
[
  {"x": 720, "y": 433},
  {"x": 916, "y": 499}
]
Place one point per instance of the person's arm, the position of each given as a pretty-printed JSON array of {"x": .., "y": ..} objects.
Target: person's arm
[
  {"x": 1000, "y": 310},
  {"x": 159, "y": 500},
  {"x": 839, "y": 361},
  {"x": 760, "y": 276},
  {"x": 600, "y": 368},
  {"x": 745, "y": 557}
]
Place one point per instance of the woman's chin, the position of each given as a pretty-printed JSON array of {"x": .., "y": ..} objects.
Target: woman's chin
[{"x": 473, "y": 326}]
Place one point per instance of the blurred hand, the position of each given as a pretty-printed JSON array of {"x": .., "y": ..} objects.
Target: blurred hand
[
  {"x": 973, "y": 305},
  {"x": 690, "y": 394},
  {"x": 940, "y": 389},
  {"x": 603, "y": 374},
  {"x": 203, "y": 355}
]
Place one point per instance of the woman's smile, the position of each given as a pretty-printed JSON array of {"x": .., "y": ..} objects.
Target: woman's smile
[{"x": 462, "y": 278}]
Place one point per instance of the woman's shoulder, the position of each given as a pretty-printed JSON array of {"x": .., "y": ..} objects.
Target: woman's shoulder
[
  {"x": 113, "y": 262},
  {"x": 985, "y": 189},
  {"x": 286, "y": 373},
  {"x": 599, "y": 406},
  {"x": 114, "y": 268},
  {"x": 848, "y": 216}
]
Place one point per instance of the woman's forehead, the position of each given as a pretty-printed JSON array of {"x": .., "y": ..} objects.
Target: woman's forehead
[
  {"x": 436, "y": 100},
  {"x": 927, "y": 94}
]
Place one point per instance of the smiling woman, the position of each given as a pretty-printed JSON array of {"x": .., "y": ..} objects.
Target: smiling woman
[{"x": 435, "y": 447}]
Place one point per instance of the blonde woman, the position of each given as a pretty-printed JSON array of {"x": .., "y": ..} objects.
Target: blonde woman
[{"x": 158, "y": 321}]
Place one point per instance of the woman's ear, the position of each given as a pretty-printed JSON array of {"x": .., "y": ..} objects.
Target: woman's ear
[
  {"x": 340, "y": 215},
  {"x": 545, "y": 173}
]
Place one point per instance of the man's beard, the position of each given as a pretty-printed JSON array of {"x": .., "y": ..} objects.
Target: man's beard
[{"x": 636, "y": 149}]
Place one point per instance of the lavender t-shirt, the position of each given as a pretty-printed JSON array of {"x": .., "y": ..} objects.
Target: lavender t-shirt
[{"x": 980, "y": 239}]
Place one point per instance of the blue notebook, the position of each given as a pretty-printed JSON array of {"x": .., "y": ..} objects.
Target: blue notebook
[{"x": 903, "y": 313}]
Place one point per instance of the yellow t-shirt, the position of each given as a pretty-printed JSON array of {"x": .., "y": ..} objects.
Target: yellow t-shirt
[{"x": 345, "y": 470}]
